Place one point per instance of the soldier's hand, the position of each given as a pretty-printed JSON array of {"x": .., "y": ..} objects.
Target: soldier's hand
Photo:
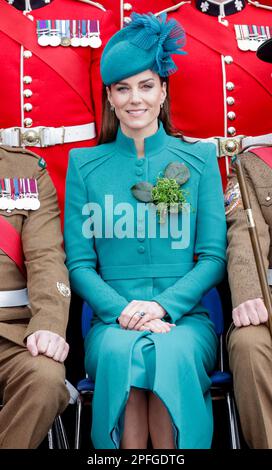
[
  {"x": 47, "y": 343},
  {"x": 131, "y": 318},
  {"x": 251, "y": 312}
]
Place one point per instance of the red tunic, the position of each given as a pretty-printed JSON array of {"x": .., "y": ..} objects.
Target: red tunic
[
  {"x": 54, "y": 101},
  {"x": 199, "y": 90},
  {"x": 122, "y": 9}
]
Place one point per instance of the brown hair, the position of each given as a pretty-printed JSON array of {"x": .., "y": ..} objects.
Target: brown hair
[{"x": 110, "y": 122}]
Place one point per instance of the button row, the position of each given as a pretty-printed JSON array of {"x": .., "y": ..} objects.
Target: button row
[
  {"x": 27, "y": 93},
  {"x": 231, "y": 115}
]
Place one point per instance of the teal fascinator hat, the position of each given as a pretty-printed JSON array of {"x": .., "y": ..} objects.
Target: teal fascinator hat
[{"x": 148, "y": 42}]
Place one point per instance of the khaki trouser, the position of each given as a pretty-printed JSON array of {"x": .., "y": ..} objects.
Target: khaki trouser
[
  {"x": 33, "y": 393},
  {"x": 250, "y": 355}
]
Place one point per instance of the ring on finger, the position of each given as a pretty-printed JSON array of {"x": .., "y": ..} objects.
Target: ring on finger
[{"x": 141, "y": 314}]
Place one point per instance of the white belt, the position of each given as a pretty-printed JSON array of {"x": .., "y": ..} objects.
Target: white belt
[
  {"x": 232, "y": 145},
  {"x": 45, "y": 136},
  {"x": 269, "y": 277},
  {"x": 13, "y": 298}
]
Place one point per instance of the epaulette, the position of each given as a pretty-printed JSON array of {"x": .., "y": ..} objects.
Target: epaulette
[
  {"x": 170, "y": 9},
  {"x": 26, "y": 152},
  {"x": 94, "y": 4}
]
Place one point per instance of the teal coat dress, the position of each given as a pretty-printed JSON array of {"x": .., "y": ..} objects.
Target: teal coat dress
[{"x": 108, "y": 270}]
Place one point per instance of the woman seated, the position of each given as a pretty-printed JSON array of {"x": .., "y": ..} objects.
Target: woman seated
[{"x": 141, "y": 206}]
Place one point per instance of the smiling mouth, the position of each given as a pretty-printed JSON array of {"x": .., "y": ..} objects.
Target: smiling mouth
[{"x": 136, "y": 112}]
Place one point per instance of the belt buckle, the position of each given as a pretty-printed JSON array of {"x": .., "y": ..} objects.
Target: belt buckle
[
  {"x": 32, "y": 137},
  {"x": 230, "y": 146}
]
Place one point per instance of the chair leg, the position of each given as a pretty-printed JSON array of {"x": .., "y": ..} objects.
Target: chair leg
[
  {"x": 62, "y": 441},
  {"x": 78, "y": 421},
  {"x": 234, "y": 432},
  {"x": 50, "y": 439}
]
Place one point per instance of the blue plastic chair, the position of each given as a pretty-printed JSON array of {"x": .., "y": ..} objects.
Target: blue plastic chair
[{"x": 222, "y": 386}]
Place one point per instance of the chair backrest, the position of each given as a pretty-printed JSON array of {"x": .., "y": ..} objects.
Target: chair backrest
[
  {"x": 212, "y": 302},
  {"x": 86, "y": 318}
]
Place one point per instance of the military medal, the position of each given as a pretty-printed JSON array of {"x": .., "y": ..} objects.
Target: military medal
[
  {"x": 35, "y": 203},
  {"x": 250, "y": 37},
  {"x": 43, "y": 33},
  {"x": 26, "y": 198},
  {"x": 75, "y": 41},
  {"x": 94, "y": 34},
  {"x": 54, "y": 39},
  {"x": 75, "y": 33},
  {"x": 18, "y": 200},
  {"x": 95, "y": 42},
  {"x": 3, "y": 199},
  {"x": 83, "y": 39},
  {"x": 242, "y": 45},
  {"x": 3, "y": 203},
  {"x": 10, "y": 203},
  {"x": 65, "y": 33},
  {"x": 20, "y": 203}
]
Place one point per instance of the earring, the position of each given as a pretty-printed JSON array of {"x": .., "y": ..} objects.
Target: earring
[
  {"x": 162, "y": 105},
  {"x": 112, "y": 108}
]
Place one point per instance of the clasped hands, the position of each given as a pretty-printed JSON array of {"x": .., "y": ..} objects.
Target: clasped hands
[{"x": 132, "y": 317}]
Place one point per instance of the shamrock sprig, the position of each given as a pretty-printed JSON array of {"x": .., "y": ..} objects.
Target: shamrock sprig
[{"x": 166, "y": 194}]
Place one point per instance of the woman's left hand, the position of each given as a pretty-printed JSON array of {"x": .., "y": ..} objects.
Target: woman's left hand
[
  {"x": 138, "y": 312},
  {"x": 157, "y": 326}
]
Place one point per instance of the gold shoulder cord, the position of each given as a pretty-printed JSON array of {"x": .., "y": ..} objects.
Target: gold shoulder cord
[
  {"x": 94, "y": 4},
  {"x": 259, "y": 5},
  {"x": 173, "y": 8}
]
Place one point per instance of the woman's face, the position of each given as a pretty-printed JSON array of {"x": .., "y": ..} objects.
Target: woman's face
[{"x": 137, "y": 102}]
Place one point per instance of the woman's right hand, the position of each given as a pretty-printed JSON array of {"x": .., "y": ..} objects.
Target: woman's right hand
[
  {"x": 251, "y": 312},
  {"x": 131, "y": 317},
  {"x": 157, "y": 326}
]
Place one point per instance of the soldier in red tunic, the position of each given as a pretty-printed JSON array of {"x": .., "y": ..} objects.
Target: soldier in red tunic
[
  {"x": 122, "y": 9},
  {"x": 222, "y": 91},
  {"x": 50, "y": 87}
]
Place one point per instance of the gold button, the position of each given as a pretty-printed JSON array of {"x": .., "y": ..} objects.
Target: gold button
[
  {"x": 231, "y": 115},
  {"x": 231, "y": 130},
  {"x": 127, "y": 19},
  {"x": 231, "y": 146},
  {"x": 27, "y": 79},
  {"x": 31, "y": 137},
  {"x": 27, "y": 54},
  {"x": 28, "y": 122},
  {"x": 127, "y": 6},
  {"x": 230, "y": 86},
  {"x": 230, "y": 100},
  {"x": 268, "y": 198},
  {"x": 228, "y": 59},
  {"x": 27, "y": 93},
  {"x": 28, "y": 107}
]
